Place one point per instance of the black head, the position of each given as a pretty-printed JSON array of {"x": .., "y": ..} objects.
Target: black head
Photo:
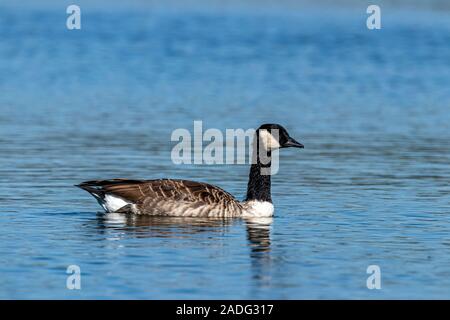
[{"x": 275, "y": 136}]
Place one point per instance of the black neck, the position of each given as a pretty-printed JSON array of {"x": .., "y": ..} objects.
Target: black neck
[{"x": 259, "y": 184}]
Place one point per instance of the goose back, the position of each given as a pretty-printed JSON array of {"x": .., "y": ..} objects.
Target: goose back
[{"x": 164, "y": 197}]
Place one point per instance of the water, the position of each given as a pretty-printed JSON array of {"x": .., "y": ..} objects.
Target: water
[{"x": 371, "y": 186}]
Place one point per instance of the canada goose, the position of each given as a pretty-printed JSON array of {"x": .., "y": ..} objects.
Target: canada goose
[{"x": 183, "y": 198}]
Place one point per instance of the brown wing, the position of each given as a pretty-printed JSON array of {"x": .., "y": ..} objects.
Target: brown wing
[{"x": 136, "y": 191}]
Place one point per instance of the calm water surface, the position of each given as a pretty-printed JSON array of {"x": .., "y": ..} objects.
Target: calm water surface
[{"x": 371, "y": 186}]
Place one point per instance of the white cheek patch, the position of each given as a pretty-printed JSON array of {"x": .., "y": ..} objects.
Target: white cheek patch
[
  {"x": 113, "y": 203},
  {"x": 269, "y": 140}
]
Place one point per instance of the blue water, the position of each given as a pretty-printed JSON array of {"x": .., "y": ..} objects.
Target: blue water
[{"x": 371, "y": 186}]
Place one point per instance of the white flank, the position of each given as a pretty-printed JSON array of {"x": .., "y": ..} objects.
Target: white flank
[
  {"x": 258, "y": 209},
  {"x": 113, "y": 203}
]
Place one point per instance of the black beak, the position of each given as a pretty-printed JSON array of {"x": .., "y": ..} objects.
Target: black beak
[{"x": 292, "y": 143}]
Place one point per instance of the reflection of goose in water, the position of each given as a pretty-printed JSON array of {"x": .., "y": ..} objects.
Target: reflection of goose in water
[
  {"x": 258, "y": 234},
  {"x": 141, "y": 226},
  {"x": 144, "y": 226},
  {"x": 118, "y": 226},
  {"x": 183, "y": 198}
]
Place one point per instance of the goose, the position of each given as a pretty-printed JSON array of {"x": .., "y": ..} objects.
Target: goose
[{"x": 184, "y": 198}]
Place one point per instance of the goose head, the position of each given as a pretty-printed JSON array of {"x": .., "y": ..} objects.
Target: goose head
[{"x": 274, "y": 136}]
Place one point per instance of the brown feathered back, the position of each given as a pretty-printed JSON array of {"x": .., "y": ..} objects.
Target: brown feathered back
[{"x": 167, "y": 197}]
